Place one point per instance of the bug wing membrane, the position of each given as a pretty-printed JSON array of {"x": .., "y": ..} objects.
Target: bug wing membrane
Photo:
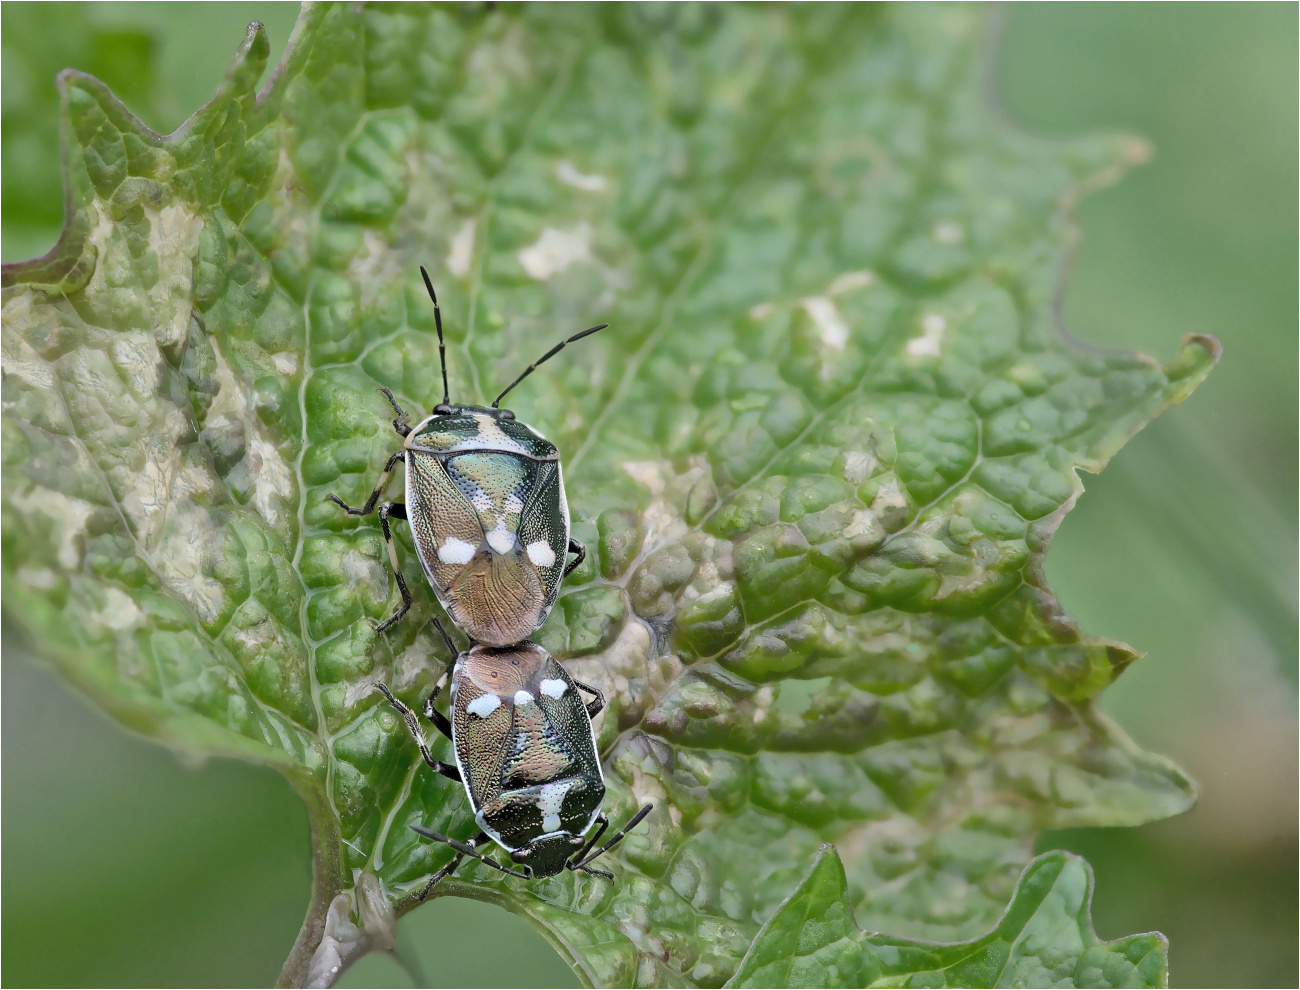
[
  {"x": 446, "y": 528},
  {"x": 544, "y": 528},
  {"x": 570, "y": 727},
  {"x": 483, "y": 743}
]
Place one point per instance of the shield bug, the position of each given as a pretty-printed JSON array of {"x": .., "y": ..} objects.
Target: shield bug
[
  {"x": 486, "y": 506},
  {"x": 526, "y": 755}
]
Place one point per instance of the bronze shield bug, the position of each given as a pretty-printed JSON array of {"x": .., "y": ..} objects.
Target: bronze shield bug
[
  {"x": 485, "y": 503},
  {"x": 526, "y": 754}
]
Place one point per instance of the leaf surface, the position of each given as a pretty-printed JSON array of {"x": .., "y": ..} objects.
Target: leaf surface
[
  {"x": 817, "y": 458},
  {"x": 1045, "y": 939}
]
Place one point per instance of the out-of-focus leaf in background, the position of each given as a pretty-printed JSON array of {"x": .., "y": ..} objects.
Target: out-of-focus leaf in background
[
  {"x": 1186, "y": 544},
  {"x": 1155, "y": 344}
]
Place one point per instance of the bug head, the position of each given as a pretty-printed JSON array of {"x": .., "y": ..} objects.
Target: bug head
[
  {"x": 460, "y": 410},
  {"x": 448, "y": 408},
  {"x": 547, "y": 855}
]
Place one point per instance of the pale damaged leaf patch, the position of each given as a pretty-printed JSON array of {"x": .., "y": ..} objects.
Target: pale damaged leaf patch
[{"x": 816, "y": 459}]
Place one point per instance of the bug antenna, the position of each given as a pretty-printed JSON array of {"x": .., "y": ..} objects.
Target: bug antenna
[
  {"x": 544, "y": 358},
  {"x": 636, "y": 820},
  {"x": 442, "y": 345}
]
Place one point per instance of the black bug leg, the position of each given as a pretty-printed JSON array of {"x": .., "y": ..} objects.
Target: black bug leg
[
  {"x": 400, "y": 424},
  {"x": 450, "y": 868},
  {"x": 369, "y": 507},
  {"x": 618, "y": 837},
  {"x": 413, "y": 726},
  {"x": 432, "y": 714},
  {"x": 462, "y": 850},
  {"x": 394, "y": 510},
  {"x": 597, "y": 704},
  {"x": 438, "y": 719},
  {"x": 581, "y": 551}
]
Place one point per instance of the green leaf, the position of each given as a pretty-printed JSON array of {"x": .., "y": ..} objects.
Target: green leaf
[
  {"x": 1045, "y": 939},
  {"x": 817, "y": 458}
]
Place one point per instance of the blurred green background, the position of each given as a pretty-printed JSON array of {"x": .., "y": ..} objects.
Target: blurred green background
[{"x": 124, "y": 867}]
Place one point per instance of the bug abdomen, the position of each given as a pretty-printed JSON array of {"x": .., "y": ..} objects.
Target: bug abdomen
[
  {"x": 468, "y": 513},
  {"x": 565, "y": 805}
]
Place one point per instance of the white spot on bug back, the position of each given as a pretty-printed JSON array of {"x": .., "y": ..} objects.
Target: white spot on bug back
[
  {"x": 523, "y": 698},
  {"x": 461, "y": 254},
  {"x": 484, "y": 705},
  {"x": 541, "y": 554},
  {"x": 556, "y": 250},
  {"x": 928, "y": 344},
  {"x": 570, "y": 176},
  {"x": 501, "y": 539},
  {"x": 480, "y": 500},
  {"x": 553, "y": 687},
  {"x": 550, "y": 799},
  {"x": 454, "y": 551},
  {"x": 834, "y": 331},
  {"x": 514, "y": 503}
]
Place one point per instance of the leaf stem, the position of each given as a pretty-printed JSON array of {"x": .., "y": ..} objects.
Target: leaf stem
[{"x": 327, "y": 879}]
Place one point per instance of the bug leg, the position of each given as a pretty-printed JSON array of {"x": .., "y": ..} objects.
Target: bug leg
[
  {"x": 413, "y": 726},
  {"x": 581, "y": 551},
  {"x": 450, "y": 868},
  {"x": 438, "y": 719},
  {"x": 594, "y": 872},
  {"x": 369, "y": 507},
  {"x": 394, "y": 510},
  {"x": 451, "y": 643},
  {"x": 597, "y": 704},
  {"x": 618, "y": 837},
  {"x": 399, "y": 424},
  {"x": 466, "y": 850}
]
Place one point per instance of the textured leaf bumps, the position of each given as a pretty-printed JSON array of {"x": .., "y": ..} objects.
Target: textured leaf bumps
[{"x": 817, "y": 458}]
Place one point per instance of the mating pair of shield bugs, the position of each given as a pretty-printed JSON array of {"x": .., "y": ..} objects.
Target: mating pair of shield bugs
[{"x": 486, "y": 506}]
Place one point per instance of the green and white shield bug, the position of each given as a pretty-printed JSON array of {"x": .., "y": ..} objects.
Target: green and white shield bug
[
  {"x": 526, "y": 755},
  {"x": 485, "y": 503}
]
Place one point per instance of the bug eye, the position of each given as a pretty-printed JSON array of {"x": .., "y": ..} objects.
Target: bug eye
[
  {"x": 577, "y": 840},
  {"x": 519, "y": 855}
]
